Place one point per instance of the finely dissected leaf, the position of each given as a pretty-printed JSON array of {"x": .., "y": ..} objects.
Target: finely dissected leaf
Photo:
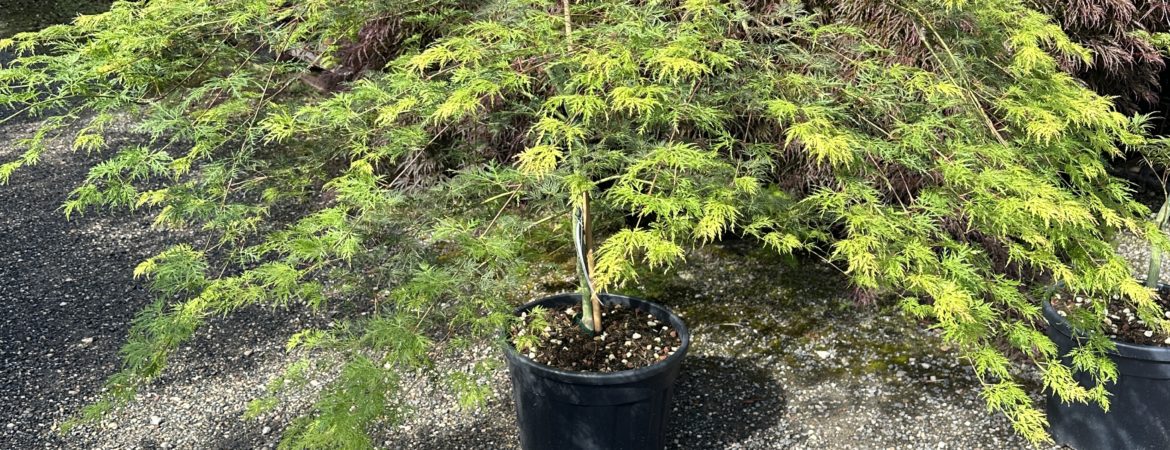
[{"x": 415, "y": 161}]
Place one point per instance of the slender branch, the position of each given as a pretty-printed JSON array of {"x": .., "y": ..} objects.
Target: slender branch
[
  {"x": 587, "y": 228},
  {"x": 568, "y": 24},
  {"x": 583, "y": 225},
  {"x": 590, "y": 302}
]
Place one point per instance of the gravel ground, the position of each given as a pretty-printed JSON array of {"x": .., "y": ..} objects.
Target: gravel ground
[
  {"x": 66, "y": 296},
  {"x": 780, "y": 358},
  {"x": 1138, "y": 252}
]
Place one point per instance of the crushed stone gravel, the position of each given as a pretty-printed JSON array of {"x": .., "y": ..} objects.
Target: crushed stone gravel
[
  {"x": 67, "y": 298},
  {"x": 781, "y": 357}
]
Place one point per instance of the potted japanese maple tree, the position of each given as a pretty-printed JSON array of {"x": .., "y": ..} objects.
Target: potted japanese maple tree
[
  {"x": 594, "y": 370},
  {"x": 1135, "y": 416}
]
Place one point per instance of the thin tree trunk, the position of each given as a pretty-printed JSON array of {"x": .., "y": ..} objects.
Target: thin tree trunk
[{"x": 594, "y": 299}]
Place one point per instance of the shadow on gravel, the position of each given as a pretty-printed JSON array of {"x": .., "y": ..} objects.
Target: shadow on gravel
[
  {"x": 30, "y": 15},
  {"x": 721, "y": 401},
  {"x": 718, "y": 402},
  {"x": 67, "y": 296}
]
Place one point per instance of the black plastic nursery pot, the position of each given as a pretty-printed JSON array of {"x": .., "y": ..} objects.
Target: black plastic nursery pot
[
  {"x": 1139, "y": 412},
  {"x": 567, "y": 410}
]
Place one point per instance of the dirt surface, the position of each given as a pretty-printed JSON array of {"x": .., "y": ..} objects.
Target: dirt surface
[
  {"x": 1121, "y": 321},
  {"x": 630, "y": 339}
]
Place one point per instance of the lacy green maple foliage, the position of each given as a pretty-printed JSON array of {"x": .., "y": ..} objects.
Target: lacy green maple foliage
[{"x": 415, "y": 162}]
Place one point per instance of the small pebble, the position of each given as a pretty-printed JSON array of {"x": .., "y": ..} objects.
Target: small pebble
[{"x": 1149, "y": 334}]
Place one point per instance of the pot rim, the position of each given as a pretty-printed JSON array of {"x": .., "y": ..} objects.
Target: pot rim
[
  {"x": 1123, "y": 349},
  {"x": 604, "y": 378}
]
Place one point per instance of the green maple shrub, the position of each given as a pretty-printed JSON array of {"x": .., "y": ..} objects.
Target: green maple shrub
[{"x": 414, "y": 163}]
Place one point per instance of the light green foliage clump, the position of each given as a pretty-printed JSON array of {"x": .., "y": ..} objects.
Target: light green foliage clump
[
  {"x": 431, "y": 191},
  {"x": 527, "y": 335}
]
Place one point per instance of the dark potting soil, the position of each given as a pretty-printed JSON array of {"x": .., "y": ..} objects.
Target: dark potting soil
[
  {"x": 1121, "y": 323},
  {"x": 629, "y": 339}
]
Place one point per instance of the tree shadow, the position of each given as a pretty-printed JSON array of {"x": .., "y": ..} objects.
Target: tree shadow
[{"x": 720, "y": 401}]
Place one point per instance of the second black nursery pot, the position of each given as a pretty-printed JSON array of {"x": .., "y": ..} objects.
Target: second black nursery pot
[
  {"x": 1139, "y": 412},
  {"x": 566, "y": 410}
]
